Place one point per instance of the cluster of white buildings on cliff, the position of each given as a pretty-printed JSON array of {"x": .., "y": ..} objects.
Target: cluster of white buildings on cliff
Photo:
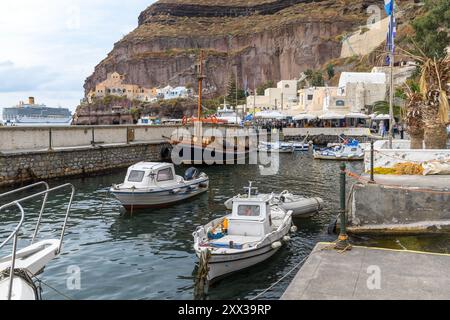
[
  {"x": 115, "y": 85},
  {"x": 354, "y": 94}
]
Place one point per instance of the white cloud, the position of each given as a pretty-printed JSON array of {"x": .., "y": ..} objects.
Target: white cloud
[{"x": 50, "y": 47}]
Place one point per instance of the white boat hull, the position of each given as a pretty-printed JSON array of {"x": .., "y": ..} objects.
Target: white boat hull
[
  {"x": 141, "y": 199},
  {"x": 303, "y": 207},
  {"x": 21, "y": 290},
  {"x": 339, "y": 158},
  {"x": 221, "y": 266}
]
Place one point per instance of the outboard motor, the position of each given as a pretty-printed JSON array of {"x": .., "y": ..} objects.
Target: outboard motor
[{"x": 191, "y": 174}]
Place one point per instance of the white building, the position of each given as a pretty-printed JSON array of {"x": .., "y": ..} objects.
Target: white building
[
  {"x": 356, "y": 90},
  {"x": 283, "y": 97}
]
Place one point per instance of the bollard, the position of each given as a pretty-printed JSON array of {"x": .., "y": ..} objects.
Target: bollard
[
  {"x": 342, "y": 243},
  {"x": 372, "y": 152},
  {"x": 93, "y": 137},
  {"x": 50, "y": 142}
]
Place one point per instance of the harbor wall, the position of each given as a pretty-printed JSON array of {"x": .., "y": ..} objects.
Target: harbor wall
[
  {"x": 40, "y": 153},
  {"x": 20, "y": 139},
  {"x": 401, "y": 205},
  {"x": 323, "y": 136},
  {"x": 19, "y": 168}
]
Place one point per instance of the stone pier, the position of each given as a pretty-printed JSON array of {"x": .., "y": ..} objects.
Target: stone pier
[{"x": 23, "y": 167}]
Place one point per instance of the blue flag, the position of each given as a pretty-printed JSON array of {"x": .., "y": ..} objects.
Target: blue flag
[
  {"x": 389, "y": 6},
  {"x": 390, "y": 42}
]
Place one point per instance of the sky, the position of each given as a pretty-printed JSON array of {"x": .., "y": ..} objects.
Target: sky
[{"x": 49, "y": 47}]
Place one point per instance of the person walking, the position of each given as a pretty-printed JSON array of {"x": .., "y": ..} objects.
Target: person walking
[{"x": 382, "y": 129}]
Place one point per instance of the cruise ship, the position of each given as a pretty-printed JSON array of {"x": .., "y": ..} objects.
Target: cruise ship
[{"x": 30, "y": 113}]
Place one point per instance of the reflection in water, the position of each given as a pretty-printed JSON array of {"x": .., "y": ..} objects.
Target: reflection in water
[{"x": 149, "y": 255}]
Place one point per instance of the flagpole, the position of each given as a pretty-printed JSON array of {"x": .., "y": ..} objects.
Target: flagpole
[{"x": 391, "y": 81}]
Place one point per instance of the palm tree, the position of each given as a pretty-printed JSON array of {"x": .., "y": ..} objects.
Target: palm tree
[
  {"x": 382, "y": 107},
  {"x": 414, "y": 119},
  {"x": 429, "y": 108},
  {"x": 435, "y": 75}
]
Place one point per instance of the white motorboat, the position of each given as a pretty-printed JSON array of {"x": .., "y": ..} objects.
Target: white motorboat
[
  {"x": 350, "y": 151},
  {"x": 300, "y": 146},
  {"x": 19, "y": 269},
  {"x": 279, "y": 147},
  {"x": 151, "y": 184},
  {"x": 254, "y": 231},
  {"x": 283, "y": 147},
  {"x": 300, "y": 206}
]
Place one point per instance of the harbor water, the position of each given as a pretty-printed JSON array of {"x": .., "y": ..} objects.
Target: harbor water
[{"x": 109, "y": 254}]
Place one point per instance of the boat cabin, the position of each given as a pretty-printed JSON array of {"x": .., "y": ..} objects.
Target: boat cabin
[
  {"x": 250, "y": 217},
  {"x": 144, "y": 174}
]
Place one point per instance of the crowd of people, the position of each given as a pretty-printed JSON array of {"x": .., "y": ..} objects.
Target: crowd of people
[{"x": 377, "y": 127}]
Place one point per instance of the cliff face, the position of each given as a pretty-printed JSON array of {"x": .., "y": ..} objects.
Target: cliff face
[{"x": 260, "y": 39}]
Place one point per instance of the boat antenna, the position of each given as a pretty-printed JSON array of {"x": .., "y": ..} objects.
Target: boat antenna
[{"x": 250, "y": 189}]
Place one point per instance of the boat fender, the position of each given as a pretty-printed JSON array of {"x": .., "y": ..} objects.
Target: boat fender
[
  {"x": 229, "y": 204},
  {"x": 276, "y": 245},
  {"x": 294, "y": 229},
  {"x": 225, "y": 226},
  {"x": 286, "y": 238}
]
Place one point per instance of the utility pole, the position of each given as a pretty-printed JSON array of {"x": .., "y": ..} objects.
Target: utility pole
[
  {"x": 254, "y": 97},
  {"x": 236, "y": 104},
  {"x": 391, "y": 81}
]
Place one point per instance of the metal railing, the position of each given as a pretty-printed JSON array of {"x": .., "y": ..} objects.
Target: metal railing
[
  {"x": 44, "y": 202},
  {"x": 17, "y": 203}
]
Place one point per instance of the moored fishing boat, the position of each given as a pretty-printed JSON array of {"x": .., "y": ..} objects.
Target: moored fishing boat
[
  {"x": 278, "y": 147},
  {"x": 153, "y": 184},
  {"x": 350, "y": 151},
  {"x": 254, "y": 231}
]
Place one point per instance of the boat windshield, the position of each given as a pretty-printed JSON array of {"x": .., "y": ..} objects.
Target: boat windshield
[
  {"x": 249, "y": 210},
  {"x": 136, "y": 176},
  {"x": 165, "y": 175}
]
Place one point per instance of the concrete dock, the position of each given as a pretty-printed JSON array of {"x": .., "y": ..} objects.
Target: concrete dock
[{"x": 371, "y": 274}]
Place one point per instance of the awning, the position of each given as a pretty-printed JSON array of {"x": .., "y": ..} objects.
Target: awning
[
  {"x": 304, "y": 116},
  {"x": 383, "y": 117},
  {"x": 270, "y": 115},
  {"x": 357, "y": 115},
  {"x": 331, "y": 116}
]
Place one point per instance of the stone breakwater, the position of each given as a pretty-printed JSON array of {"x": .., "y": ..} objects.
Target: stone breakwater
[{"x": 19, "y": 168}]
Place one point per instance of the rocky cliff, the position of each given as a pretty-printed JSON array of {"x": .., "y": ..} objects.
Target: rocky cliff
[{"x": 259, "y": 39}]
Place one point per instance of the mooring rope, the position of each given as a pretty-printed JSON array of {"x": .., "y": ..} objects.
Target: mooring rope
[
  {"x": 282, "y": 278},
  {"x": 53, "y": 288},
  {"x": 202, "y": 274}
]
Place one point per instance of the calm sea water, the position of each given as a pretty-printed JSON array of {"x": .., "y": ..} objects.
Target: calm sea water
[{"x": 149, "y": 255}]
